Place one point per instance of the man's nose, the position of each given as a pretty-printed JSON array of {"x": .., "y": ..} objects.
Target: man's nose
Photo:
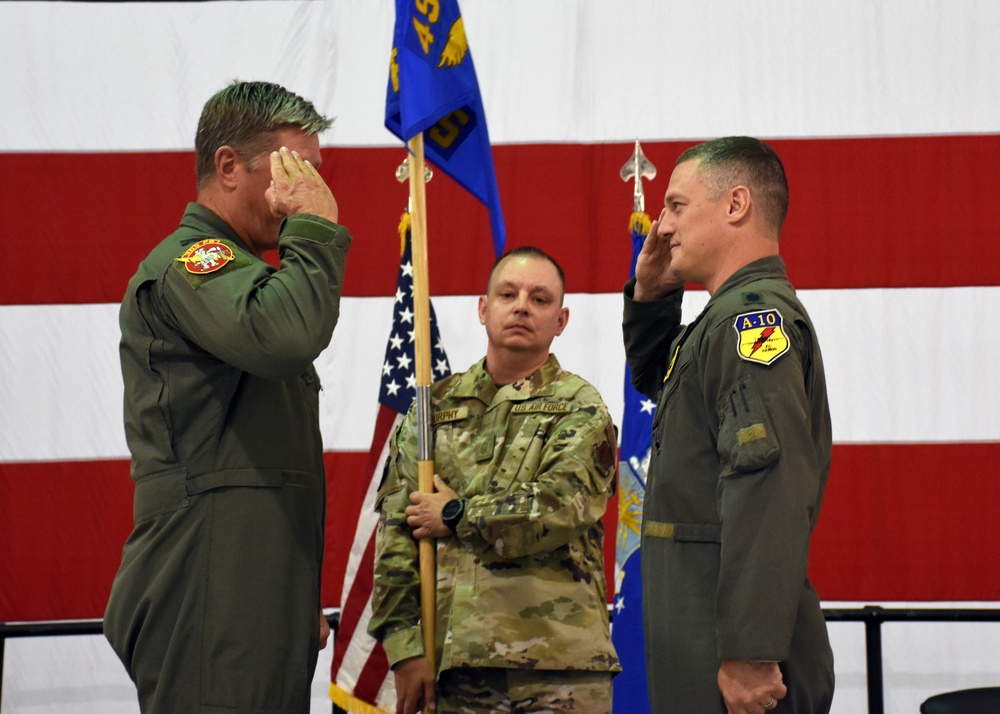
[{"x": 663, "y": 224}]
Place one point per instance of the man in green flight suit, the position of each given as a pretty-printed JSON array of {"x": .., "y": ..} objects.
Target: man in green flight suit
[
  {"x": 216, "y": 605},
  {"x": 524, "y": 456},
  {"x": 741, "y": 446}
]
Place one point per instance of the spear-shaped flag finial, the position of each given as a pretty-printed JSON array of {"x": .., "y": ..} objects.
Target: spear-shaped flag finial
[{"x": 638, "y": 167}]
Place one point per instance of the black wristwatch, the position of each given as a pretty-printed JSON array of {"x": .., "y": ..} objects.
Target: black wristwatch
[{"x": 452, "y": 513}]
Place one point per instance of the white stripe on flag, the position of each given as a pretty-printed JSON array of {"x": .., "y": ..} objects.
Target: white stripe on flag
[
  {"x": 903, "y": 365},
  {"x": 584, "y": 70}
]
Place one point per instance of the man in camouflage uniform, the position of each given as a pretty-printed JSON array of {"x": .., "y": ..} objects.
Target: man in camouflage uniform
[
  {"x": 741, "y": 446},
  {"x": 524, "y": 455}
]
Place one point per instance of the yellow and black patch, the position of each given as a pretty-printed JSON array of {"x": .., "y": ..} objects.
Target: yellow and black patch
[{"x": 759, "y": 336}]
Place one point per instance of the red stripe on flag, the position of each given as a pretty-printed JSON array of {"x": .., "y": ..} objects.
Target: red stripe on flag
[
  {"x": 886, "y": 533},
  {"x": 909, "y": 522},
  {"x": 864, "y": 213},
  {"x": 369, "y": 680},
  {"x": 372, "y": 676},
  {"x": 62, "y": 528},
  {"x": 354, "y": 606}
]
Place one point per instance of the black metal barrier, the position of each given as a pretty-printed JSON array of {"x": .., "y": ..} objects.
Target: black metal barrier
[{"x": 871, "y": 615}]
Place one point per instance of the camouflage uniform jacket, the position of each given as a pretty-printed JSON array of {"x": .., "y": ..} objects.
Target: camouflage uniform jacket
[{"x": 521, "y": 584}]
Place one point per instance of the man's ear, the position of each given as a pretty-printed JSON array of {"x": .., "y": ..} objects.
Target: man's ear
[
  {"x": 562, "y": 321},
  {"x": 226, "y": 162},
  {"x": 739, "y": 204},
  {"x": 482, "y": 309}
]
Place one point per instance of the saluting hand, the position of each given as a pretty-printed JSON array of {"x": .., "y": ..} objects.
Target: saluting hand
[
  {"x": 653, "y": 275},
  {"x": 297, "y": 187}
]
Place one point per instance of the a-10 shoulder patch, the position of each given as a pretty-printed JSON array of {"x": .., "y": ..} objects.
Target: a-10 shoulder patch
[{"x": 759, "y": 337}]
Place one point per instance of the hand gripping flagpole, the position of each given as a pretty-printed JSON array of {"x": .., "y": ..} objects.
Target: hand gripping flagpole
[{"x": 422, "y": 363}]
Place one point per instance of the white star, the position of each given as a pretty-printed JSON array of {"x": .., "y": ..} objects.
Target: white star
[
  {"x": 441, "y": 366},
  {"x": 408, "y": 269},
  {"x": 412, "y": 335},
  {"x": 400, "y": 295},
  {"x": 404, "y": 362},
  {"x": 411, "y": 380},
  {"x": 392, "y": 387},
  {"x": 619, "y": 605},
  {"x": 386, "y": 368},
  {"x": 407, "y": 315},
  {"x": 397, "y": 342},
  {"x": 648, "y": 406}
]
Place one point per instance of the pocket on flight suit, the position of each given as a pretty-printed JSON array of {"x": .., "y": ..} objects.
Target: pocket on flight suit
[{"x": 747, "y": 440}]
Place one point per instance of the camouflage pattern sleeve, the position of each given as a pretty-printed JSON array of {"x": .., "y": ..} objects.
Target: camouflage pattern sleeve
[
  {"x": 396, "y": 591},
  {"x": 561, "y": 487}
]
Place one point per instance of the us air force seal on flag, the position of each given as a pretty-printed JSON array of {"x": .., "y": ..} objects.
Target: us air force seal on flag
[
  {"x": 206, "y": 256},
  {"x": 759, "y": 337}
]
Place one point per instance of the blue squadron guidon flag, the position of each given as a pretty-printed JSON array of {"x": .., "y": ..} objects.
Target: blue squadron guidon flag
[{"x": 433, "y": 89}]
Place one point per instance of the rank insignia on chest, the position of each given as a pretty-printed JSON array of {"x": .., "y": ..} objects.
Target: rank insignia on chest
[
  {"x": 759, "y": 337},
  {"x": 206, "y": 256}
]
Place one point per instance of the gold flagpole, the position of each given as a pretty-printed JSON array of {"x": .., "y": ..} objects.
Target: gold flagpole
[{"x": 422, "y": 350}]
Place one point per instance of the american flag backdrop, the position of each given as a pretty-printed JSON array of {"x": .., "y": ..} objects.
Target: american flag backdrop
[
  {"x": 360, "y": 671},
  {"x": 887, "y": 116}
]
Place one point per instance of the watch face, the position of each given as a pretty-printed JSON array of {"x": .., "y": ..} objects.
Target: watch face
[{"x": 452, "y": 509}]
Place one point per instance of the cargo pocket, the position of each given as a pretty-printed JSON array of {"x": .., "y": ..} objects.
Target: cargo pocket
[{"x": 747, "y": 441}]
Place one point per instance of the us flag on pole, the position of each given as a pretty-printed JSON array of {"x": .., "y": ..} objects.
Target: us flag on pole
[{"x": 360, "y": 681}]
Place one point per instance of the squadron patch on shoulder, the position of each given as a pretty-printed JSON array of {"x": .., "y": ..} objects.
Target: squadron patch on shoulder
[
  {"x": 759, "y": 337},
  {"x": 206, "y": 256}
]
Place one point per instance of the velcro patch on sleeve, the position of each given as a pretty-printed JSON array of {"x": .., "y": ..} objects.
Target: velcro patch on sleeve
[
  {"x": 208, "y": 259},
  {"x": 759, "y": 336},
  {"x": 207, "y": 256},
  {"x": 749, "y": 434}
]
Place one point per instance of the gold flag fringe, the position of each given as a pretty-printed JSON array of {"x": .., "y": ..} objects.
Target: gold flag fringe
[
  {"x": 640, "y": 223},
  {"x": 352, "y": 704}
]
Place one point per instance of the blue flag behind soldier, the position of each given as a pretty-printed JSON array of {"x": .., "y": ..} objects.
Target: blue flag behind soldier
[{"x": 433, "y": 89}]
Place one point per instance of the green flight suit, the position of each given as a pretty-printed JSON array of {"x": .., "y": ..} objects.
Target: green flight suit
[
  {"x": 521, "y": 584},
  {"x": 215, "y": 606},
  {"x": 739, "y": 462}
]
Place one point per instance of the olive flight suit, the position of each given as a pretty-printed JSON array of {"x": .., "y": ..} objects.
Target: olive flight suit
[
  {"x": 740, "y": 457},
  {"x": 215, "y": 606}
]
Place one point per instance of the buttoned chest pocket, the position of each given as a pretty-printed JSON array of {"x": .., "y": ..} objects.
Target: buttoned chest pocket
[{"x": 455, "y": 445}]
